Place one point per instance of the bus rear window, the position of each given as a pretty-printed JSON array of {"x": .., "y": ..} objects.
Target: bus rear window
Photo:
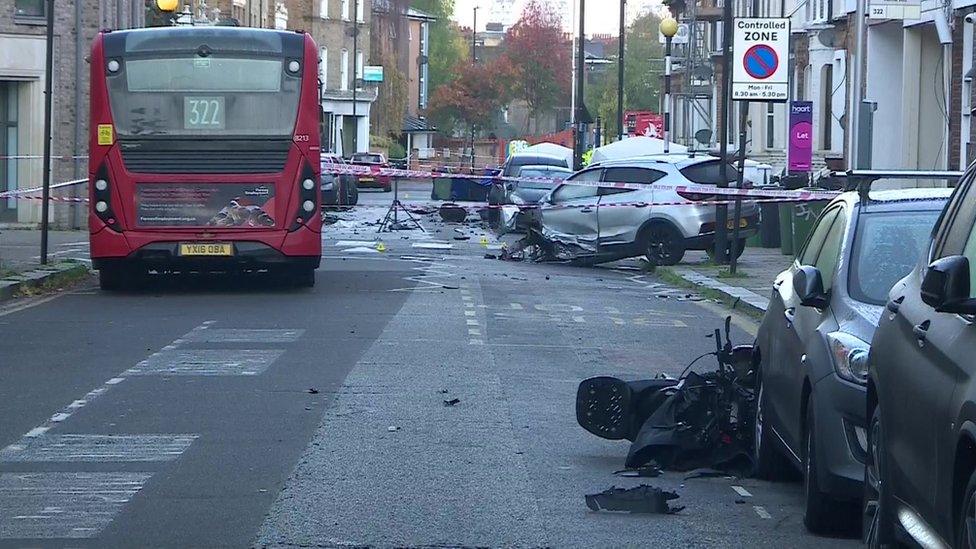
[
  {"x": 187, "y": 95},
  {"x": 203, "y": 74}
]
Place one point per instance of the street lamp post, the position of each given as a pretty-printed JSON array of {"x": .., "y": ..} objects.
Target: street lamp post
[
  {"x": 669, "y": 27},
  {"x": 474, "y": 60},
  {"x": 48, "y": 78},
  {"x": 580, "y": 74}
]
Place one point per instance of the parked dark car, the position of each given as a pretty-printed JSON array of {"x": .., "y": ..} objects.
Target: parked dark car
[
  {"x": 384, "y": 182},
  {"x": 812, "y": 345},
  {"x": 921, "y": 393},
  {"x": 528, "y": 191},
  {"x": 517, "y": 160},
  {"x": 338, "y": 190}
]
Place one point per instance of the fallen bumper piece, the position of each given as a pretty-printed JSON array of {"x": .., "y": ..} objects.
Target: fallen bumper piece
[{"x": 642, "y": 499}]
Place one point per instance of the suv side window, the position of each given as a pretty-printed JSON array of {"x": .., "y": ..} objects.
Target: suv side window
[
  {"x": 567, "y": 191},
  {"x": 709, "y": 173},
  {"x": 830, "y": 251},
  {"x": 970, "y": 253},
  {"x": 628, "y": 175},
  {"x": 815, "y": 241}
]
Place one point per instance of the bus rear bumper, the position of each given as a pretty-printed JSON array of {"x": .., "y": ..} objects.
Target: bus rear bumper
[{"x": 301, "y": 248}]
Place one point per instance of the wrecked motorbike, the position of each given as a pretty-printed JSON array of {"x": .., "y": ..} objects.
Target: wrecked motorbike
[{"x": 698, "y": 420}]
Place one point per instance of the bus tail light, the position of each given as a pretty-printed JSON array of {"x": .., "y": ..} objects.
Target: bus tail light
[
  {"x": 307, "y": 197},
  {"x": 102, "y": 199}
]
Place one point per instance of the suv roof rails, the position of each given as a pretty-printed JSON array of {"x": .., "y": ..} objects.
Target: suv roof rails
[{"x": 861, "y": 180}]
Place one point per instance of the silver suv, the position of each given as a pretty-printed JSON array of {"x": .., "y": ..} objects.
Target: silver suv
[{"x": 614, "y": 223}]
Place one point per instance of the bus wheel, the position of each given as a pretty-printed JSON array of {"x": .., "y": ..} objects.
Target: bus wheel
[{"x": 111, "y": 278}]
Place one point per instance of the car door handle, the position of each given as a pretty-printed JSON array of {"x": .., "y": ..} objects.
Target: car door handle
[
  {"x": 895, "y": 304},
  {"x": 921, "y": 331},
  {"x": 790, "y": 314}
]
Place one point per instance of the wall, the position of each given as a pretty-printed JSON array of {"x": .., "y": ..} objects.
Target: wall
[{"x": 884, "y": 85}]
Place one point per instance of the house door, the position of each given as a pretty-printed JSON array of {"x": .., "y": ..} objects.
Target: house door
[{"x": 8, "y": 149}]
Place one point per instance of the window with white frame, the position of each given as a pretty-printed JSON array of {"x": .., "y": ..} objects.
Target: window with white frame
[
  {"x": 359, "y": 65},
  {"x": 360, "y": 14},
  {"x": 324, "y": 9},
  {"x": 344, "y": 10},
  {"x": 344, "y": 70},
  {"x": 324, "y": 67}
]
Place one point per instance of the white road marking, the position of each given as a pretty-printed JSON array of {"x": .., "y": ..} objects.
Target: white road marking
[
  {"x": 30, "y": 302},
  {"x": 354, "y": 243},
  {"x": 245, "y": 335},
  {"x": 474, "y": 332},
  {"x": 742, "y": 491},
  {"x": 472, "y": 322},
  {"x": 207, "y": 362},
  {"x": 97, "y": 448},
  {"x": 466, "y": 297},
  {"x": 362, "y": 250},
  {"x": 432, "y": 246},
  {"x": 476, "y": 342},
  {"x": 469, "y": 313},
  {"x": 516, "y": 306},
  {"x": 468, "y": 304},
  {"x": 63, "y": 505},
  {"x": 579, "y": 319},
  {"x": 762, "y": 512},
  {"x": 37, "y": 431},
  {"x": 78, "y": 404}
]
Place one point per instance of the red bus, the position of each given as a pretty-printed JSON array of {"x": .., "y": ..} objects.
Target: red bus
[{"x": 204, "y": 153}]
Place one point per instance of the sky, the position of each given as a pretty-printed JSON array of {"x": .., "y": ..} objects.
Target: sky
[{"x": 602, "y": 16}]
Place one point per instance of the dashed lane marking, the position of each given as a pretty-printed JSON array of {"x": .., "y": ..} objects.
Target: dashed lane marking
[
  {"x": 762, "y": 512},
  {"x": 97, "y": 448},
  {"x": 472, "y": 322},
  {"x": 516, "y": 306},
  {"x": 63, "y": 505},
  {"x": 742, "y": 491},
  {"x": 474, "y": 332},
  {"x": 469, "y": 313}
]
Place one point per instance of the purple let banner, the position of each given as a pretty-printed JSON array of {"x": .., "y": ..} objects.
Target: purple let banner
[{"x": 801, "y": 136}]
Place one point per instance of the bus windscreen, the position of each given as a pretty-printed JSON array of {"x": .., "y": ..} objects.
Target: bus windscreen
[{"x": 188, "y": 95}]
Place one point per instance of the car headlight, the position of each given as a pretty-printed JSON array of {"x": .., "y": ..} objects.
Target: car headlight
[{"x": 850, "y": 356}]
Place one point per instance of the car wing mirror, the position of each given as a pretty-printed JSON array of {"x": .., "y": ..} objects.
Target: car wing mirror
[
  {"x": 510, "y": 186},
  {"x": 945, "y": 285},
  {"x": 808, "y": 285}
]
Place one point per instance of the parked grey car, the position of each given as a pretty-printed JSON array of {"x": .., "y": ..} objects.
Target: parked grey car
[
  {"x": 533, "y": 192},
  {"x": 611, "y": 223},
  {"x": 921, "y": 399},
  {"x": 812, "y": 346}
]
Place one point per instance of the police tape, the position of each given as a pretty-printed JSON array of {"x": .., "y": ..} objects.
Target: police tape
[
  {"x": 33, "y": 190},
  {"x": 378, "y": 171}
]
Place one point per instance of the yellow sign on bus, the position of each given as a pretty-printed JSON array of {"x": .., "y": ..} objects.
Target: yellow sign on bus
[{"x": 106, "y": 134}]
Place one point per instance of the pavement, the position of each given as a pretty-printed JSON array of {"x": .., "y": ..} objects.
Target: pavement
[
  {"x": 748, "y": 288},
  {"x": 224, "y": 412}
]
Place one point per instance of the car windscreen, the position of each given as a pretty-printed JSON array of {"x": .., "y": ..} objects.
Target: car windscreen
[
  {"x": 541, "y": 173},
  {"x": 709, "y": 173},
  {"x": 183, "y": 94},
  {"x": 887, "y": 245}
]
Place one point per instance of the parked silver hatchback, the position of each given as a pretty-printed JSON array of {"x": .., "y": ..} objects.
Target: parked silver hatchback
[{"x": 655, "y": 220}]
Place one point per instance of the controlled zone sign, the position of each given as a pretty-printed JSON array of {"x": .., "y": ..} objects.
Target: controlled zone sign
[{"x": 759, "y": 65}]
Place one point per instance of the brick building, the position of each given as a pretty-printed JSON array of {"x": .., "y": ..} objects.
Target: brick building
[{"x": 22, "y": 59}]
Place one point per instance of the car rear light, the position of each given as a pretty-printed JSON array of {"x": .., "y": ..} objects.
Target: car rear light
[
  {"x": 101, "y": 199},
  {"x": 307, "y": 198}
]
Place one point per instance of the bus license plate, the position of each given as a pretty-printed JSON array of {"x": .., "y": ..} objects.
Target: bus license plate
[{"x": 207, "y": 248}]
